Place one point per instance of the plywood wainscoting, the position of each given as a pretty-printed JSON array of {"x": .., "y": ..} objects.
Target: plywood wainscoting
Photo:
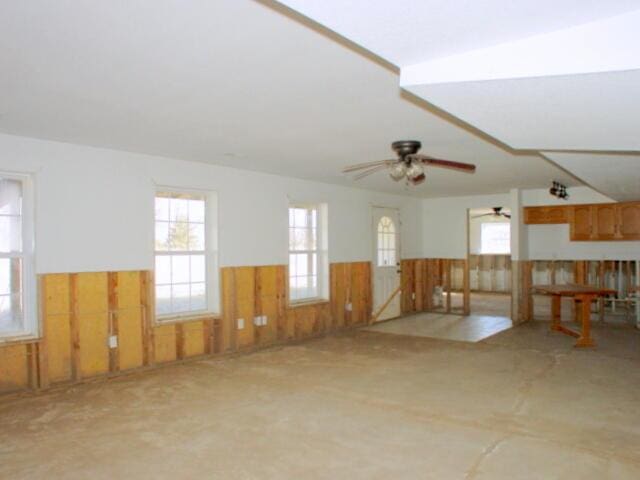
[{"x": 81, "y": 311}]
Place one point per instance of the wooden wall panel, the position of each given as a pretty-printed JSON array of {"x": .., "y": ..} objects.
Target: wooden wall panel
[
  {"x": 419, "y": 284},
  {"x": 80, "y": 311},
  {"x": 269, "y": 301},
  {"x": 407, "y": 280},
  {"x": 360, "y": 288},
  {"x": 14, "y": 368},
  {"x": 130, "y": 338},
  {"x": 228, "y": 303},
  {"x": 58, "y": 340},
  {"x": 129, "y": 321},
  {"x": 245, "y": 305},
  {"x": 164, "y": 339},
  {"x": 305, "y": 318},
  {"x": 56, "y": 316},
  {"x": 93, "y": 346},
  {"x": 193, "y": 337},
  {"x": 290, "y": 324},
  {"x": 339, "y": 294},
  {"x": 93, "y": 323}
]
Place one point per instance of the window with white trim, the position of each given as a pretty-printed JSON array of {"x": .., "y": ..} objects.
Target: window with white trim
[
  {"x": 183, "y": 260},
  {"x": 386, "y": 242},
  {"x": 307, "y": 253},
  {"x": 495, "y": 238},
  {"x": 17, "y": 276}
]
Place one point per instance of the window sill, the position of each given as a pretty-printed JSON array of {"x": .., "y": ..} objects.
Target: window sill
[
  {"x": 309, "y": 302},
  {"x": 18, "y": 339},
  {"x": 192, "y": 317}
]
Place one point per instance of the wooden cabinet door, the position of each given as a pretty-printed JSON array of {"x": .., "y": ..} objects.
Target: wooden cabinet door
[
  {"x": 546, "y": 215},
  {"x": 535, "y": 215},
  {"x": 557, "y": 214},
  {"x": 605, "y": 221},
  {"x": 581, "y": 226},
  {"x": 628, "y": 219}
]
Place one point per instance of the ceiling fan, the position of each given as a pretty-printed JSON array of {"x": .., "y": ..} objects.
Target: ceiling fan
[
  {"x": 497, "y": 212},
  {"x": 409, "y": 164}
]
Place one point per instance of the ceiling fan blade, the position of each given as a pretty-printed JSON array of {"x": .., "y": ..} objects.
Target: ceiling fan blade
[
  {"x": 436, "y": 162},
  {"x": 360, "y": 166},
  {"x": 369, "y": 172},
  {"x": 506, "y": 215},
  {"x": 483, "y": 215},
  {"x": 465, "y": 167}
]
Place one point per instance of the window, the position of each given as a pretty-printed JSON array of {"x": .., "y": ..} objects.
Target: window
[
  {"x": 17, "y": 277},
  {"x": 386, "y": 242},
  {"x": 307, "y": 253},
  {"x": 182, "y": 261},
  {"x": 495, "y": 238}
]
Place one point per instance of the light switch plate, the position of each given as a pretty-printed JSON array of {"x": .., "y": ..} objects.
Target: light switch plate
[
  {"x": 348, "y": 307},
  {"x": 240, "y": 323},
  {"x": 113, "y": 341}
]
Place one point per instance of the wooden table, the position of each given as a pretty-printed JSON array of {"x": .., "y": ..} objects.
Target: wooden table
[{"x": 585, "y": 294}]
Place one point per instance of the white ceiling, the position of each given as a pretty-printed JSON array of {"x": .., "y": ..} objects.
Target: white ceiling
[
  {"x": 235, "y": 83},
  {"x": 536, "y": 75},
  {"x": 604, "y": 171},
  {"x": 406, "y": 32},
  {"x": 597, "y": 111}
]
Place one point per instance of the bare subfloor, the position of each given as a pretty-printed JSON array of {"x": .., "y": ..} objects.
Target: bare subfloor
[{"x": 522, "y": 404}]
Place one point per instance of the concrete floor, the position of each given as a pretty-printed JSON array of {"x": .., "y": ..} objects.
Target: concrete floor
[{"x": 522, "y": 404}]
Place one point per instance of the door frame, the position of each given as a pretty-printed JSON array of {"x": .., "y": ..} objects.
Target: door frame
[
  {"x": 374, "y": 253},
  {"x": 468, "y": 269}
]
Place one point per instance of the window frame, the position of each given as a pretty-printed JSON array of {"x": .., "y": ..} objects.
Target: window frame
[
  {"x": 321, "y": 253},
  {"x": 211, "y": 280},
  {"x": 393, "y": 233},
  {"x": 492, "y": 225},
  {"x": 30, "y": 321}
]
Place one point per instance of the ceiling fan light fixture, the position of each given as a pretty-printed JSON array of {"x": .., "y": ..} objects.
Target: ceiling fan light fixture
[
  {"x": 398, "y": 171},
  {"x": 415, "y": 170},
  {"x": 418, "y": 179},
  {"x": 409, "y": 165}
]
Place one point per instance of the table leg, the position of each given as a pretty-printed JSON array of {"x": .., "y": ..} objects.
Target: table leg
[
  {"x": 556, "y": 306},
  {"x": 585, "y": 339}
]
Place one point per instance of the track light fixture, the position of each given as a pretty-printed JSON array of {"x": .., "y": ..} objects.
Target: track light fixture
[{"x": 558, "y": 190}]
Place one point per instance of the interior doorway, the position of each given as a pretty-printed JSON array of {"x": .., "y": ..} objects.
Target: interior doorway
[
  {"x": 489, "y": 257},
  {"x": 386, "y": 261}
]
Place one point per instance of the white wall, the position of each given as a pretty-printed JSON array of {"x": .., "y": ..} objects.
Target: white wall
[
  {"x": 475, "y": 229},
  {"x": 444, "y": 228},
  {"x": 445, "y": 223},
  {"x": 94, "y": 208},
  {"x": 549, "y": 242}
]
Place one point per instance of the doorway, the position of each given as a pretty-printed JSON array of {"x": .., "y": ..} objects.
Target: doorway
[
  {"x": 489, "y": 257},
  {"x": 386, "y": 261}
]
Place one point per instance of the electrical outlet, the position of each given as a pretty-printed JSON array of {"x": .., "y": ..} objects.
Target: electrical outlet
[
  {"x": 348, "y": 307},
  {"x": 240, "y": 323},
  {"x": 264, "y": 320},
  {"x": 113, "y": 341},
  {"x": 413, "y": 296}
]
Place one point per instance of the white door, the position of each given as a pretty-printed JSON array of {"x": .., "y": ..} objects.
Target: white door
[{"x": 386, "y": 261}]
